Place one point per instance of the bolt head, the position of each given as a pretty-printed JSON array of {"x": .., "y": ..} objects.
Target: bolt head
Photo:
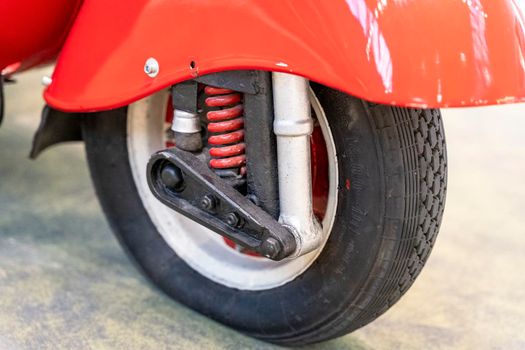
[
  {"x": 271, "y": 248},
  {"x": 151, "y": 68},
  {"x": 171, "y": 176}
]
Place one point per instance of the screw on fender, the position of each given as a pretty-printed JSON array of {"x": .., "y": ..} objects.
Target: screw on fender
[{"x": 151, "y": 68}]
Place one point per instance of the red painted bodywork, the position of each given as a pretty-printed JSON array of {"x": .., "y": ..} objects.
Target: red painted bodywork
[
  {"x": 33, "y": 31},
  {"x": 406, "y": 52},
  {"x": 429, "y": 53}
]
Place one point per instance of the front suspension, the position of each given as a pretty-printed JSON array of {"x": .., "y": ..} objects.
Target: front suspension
[
  {"x": 185, "y": 184},
  {"x": 253, "y": 182}
]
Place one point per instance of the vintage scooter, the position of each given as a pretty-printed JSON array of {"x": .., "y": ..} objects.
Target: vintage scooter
[{"x": 278, "y": 166}]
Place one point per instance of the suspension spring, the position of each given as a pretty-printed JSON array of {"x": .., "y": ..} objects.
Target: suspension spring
[{"x": 226, "y": 129}]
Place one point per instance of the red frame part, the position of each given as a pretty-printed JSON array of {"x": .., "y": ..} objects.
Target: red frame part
[
  {"x": 33, "y": 31},
  {"x": 423, "y": 53}
]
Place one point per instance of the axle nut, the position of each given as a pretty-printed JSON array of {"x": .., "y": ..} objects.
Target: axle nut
[
  {"x": 171, "y": 177},
  {"x": 271, "y": 248}
]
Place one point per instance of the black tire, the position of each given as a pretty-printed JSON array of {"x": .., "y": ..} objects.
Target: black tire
[{"x": 385, "y": 226}]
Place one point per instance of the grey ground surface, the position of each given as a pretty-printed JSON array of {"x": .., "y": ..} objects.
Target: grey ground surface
[{"x": 66, "y": 284}]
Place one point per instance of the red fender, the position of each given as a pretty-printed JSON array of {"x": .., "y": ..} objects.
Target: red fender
[{"x": 424, "y": 53}]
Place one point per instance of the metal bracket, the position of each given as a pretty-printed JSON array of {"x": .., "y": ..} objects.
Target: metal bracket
[
  {"x": 261, "y": 148},
  {"x": 184, "y": 183},
  {"x": 186, "y": 122},
  {"x": 246, "y": 81}
]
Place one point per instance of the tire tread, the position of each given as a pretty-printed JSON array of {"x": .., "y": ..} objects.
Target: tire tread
[{"x": 413, "y": 142}]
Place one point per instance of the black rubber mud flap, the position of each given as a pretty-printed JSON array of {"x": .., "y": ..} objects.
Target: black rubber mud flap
[{"x": 56, "y": 127}]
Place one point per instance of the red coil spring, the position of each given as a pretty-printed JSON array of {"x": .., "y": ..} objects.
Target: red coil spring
[{"x": 226, "y": 127}]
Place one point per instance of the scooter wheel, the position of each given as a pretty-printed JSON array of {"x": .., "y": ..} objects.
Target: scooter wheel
[{"x": 381, "y": 182}]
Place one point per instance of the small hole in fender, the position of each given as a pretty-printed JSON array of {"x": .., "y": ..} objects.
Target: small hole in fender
[{"x": 193, "y": 64}]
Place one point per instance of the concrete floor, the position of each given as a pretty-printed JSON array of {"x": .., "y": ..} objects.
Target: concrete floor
[{"x": 65, "y": 283}]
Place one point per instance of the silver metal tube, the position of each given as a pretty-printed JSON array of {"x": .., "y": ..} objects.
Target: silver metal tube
[
  {"x": 185, "y": 122},
  {"x": 293, "y": 126}
]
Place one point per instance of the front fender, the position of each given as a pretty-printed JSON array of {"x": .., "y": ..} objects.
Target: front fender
[{"x": 424, "y": 53}]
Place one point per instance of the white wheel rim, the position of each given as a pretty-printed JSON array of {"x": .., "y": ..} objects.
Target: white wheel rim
[{"x": 202, "y": 249}]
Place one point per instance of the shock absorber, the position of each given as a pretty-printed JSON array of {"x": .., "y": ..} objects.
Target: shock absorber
[{"x": 226, "y": 130}]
